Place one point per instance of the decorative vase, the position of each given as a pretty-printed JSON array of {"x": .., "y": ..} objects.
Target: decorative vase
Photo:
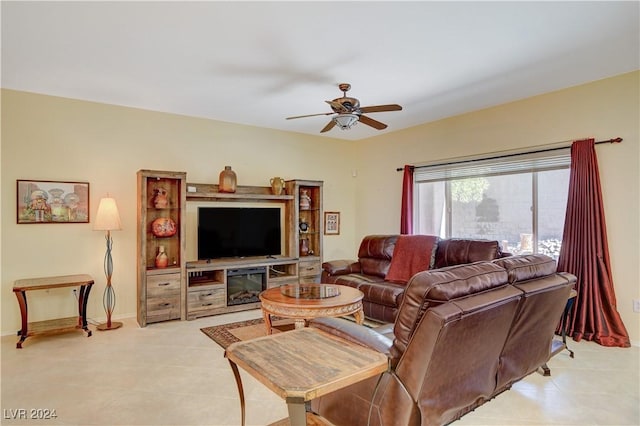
[
  {"x": 305, "y": 200},
  {"x": 160, "y": 198},
  {"x": 304, "y": 247},
  {"x": 227, "y": 181},
  {"x": 277, "y": 185},
  {"x": 162, "y": 260},
  {"x": 163, "y": 227}
]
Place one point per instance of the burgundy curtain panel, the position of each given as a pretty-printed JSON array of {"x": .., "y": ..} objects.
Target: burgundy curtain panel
[
  {"x": 585, "y": 254},
  {"x": 406, "y": 210}
]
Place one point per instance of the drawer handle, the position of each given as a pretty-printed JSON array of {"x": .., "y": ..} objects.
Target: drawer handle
[
  {"x": 310, "y": 269},
  {"x": 163, "y": 284},
  {"x": 207, "y": 304},
  {"x": 166, "y": 304},
  {"x": 207, "y": 295}
]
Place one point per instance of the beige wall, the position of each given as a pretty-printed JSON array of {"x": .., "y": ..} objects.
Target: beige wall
[
  {"x": 51, "y": 138},
  {"x": 602, "y": 110}
]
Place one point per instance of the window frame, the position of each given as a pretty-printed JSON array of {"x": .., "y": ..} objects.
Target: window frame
[{"x": 533, "y": 162}]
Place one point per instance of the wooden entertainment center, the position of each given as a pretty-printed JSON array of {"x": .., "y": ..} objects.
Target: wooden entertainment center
[{"x": 172, "y": 288}]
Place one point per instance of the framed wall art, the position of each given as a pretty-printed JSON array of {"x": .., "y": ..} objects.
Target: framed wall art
[
  {"x": 42, "y": 201},
  {"x": 331, "y": 223}
]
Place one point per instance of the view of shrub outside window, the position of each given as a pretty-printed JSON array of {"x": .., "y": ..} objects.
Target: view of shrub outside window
[{"x": 525, "y": 211}]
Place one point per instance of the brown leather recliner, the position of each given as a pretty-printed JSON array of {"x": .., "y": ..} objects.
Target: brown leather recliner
[
  {"x": 382, "y": 298},
  {"x": 463, "y": 334}
]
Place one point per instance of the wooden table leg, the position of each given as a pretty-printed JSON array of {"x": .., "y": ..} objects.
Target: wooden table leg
[
  {"x": 267, "y": 321},
  {"x": 236, "y": 374},
  {"x": 22, "y": 301},
  {"x": 82, "y": 308},
  {"x": 297, "y": 411},
  {"x": 359, "y": 316}
]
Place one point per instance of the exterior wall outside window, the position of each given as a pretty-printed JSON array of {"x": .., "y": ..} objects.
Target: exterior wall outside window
[{"x": 524, "y": 211}]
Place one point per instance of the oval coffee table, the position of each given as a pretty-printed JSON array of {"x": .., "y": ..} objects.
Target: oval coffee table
[{"x": 303, "y": 302}]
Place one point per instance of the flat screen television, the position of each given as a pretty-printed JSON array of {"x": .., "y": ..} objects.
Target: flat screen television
[{"x": 238, "y": 232}]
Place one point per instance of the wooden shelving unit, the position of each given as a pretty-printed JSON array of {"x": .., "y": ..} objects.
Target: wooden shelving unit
[
  {"x": 310, "y": 265},
  {"x": 209, "y": 192},
  {"x": 161, "y": 290},
  {"x": 207, "y": 283},
  {"x": 181, "y": 291}
]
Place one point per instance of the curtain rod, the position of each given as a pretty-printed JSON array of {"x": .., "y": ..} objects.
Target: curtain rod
[{"x": 614, "y": 140}]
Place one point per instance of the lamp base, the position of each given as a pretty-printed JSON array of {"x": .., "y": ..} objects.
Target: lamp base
[{"x": 104, "y": 327}]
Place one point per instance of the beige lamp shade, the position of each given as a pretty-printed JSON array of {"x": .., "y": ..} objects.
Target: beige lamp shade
[{"x": 107, "y": 218}]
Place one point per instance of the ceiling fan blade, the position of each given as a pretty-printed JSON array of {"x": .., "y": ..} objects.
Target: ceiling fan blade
[
  {"x": 381, "y": 108},
  {"x": 310, "y": 115},
  {"x": 371, "y": 122},
  {"x": 337, "y": 106},
  {"x": 328, "y": 126}
]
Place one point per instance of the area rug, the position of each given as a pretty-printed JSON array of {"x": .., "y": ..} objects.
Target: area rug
[{"x": 226, "y": 334}]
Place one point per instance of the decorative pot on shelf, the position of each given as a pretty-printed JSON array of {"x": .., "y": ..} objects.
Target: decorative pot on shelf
[
  {"x": 163, "y": 227},
  {"x": 160, "y": 198},
  {"x": 305, "y": 200},
  {"x": 162, "y": 260},
  {"x": 227, "y": 182},
  {"x": 304, "y": 246},
  {"x": 277, "y": 185}
]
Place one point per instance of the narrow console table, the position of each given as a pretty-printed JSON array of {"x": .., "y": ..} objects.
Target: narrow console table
[{"x": 21, "y": 287}]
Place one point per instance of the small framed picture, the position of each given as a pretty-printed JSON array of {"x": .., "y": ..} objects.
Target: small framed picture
[
  {"x": 331, "y": 223},
  {"x": 41, "y": 201}
]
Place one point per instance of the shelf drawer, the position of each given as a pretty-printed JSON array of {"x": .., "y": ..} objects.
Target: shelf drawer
[
  {"x": 309, "y": 269},
  {"x": 282, "y": 281},
  {"x": 206, "y": 299},
  {"x": 163, "y": 285},
  {"x": 163, "y": 308},
  {"x": 314, "y": 279}
]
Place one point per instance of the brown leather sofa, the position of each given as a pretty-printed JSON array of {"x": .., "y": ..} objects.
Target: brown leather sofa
[
  {"x": 381, "y": 297},
  {"x": 463, "y": 335}
]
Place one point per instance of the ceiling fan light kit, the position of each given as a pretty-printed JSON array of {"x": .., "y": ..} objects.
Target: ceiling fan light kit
[
  {"x": 348, "y": 112},
  {"x": 346, "y": 121}
]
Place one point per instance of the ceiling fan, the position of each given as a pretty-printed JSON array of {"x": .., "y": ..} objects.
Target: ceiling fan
[{"x": 348, "y": 112}]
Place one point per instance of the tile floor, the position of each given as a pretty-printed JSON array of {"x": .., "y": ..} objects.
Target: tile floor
[{"x": 172, "y": 374}]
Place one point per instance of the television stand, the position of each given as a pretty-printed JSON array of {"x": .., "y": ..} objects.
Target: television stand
[{"x": 208, "y": 282}]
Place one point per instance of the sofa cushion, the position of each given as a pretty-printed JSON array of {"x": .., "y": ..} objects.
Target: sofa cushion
[
  {"x": 527, "y": 267},
  {"x": 375, "y": 254},
  {"x": 412, "y": 254},
  {"x": 375, "y": 290},
  {"x": 341, "y": 267},
  {"x": 438, "y": 286},
  {"x": 457, "y": 251}
]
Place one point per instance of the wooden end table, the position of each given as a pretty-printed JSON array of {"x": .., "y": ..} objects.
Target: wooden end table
[
  {"x": 303, "y": 302},
  {"x": 301, "y": 365},
  {"x": 21, "y": 287}
]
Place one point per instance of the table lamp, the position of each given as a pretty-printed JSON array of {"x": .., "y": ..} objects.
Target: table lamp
[{"x": 108, "y": 220}]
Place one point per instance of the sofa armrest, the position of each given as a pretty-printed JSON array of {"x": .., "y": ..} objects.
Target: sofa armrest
[
  {"x": 341, "y": 267},
  {"x": 349, "y": 330}
]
